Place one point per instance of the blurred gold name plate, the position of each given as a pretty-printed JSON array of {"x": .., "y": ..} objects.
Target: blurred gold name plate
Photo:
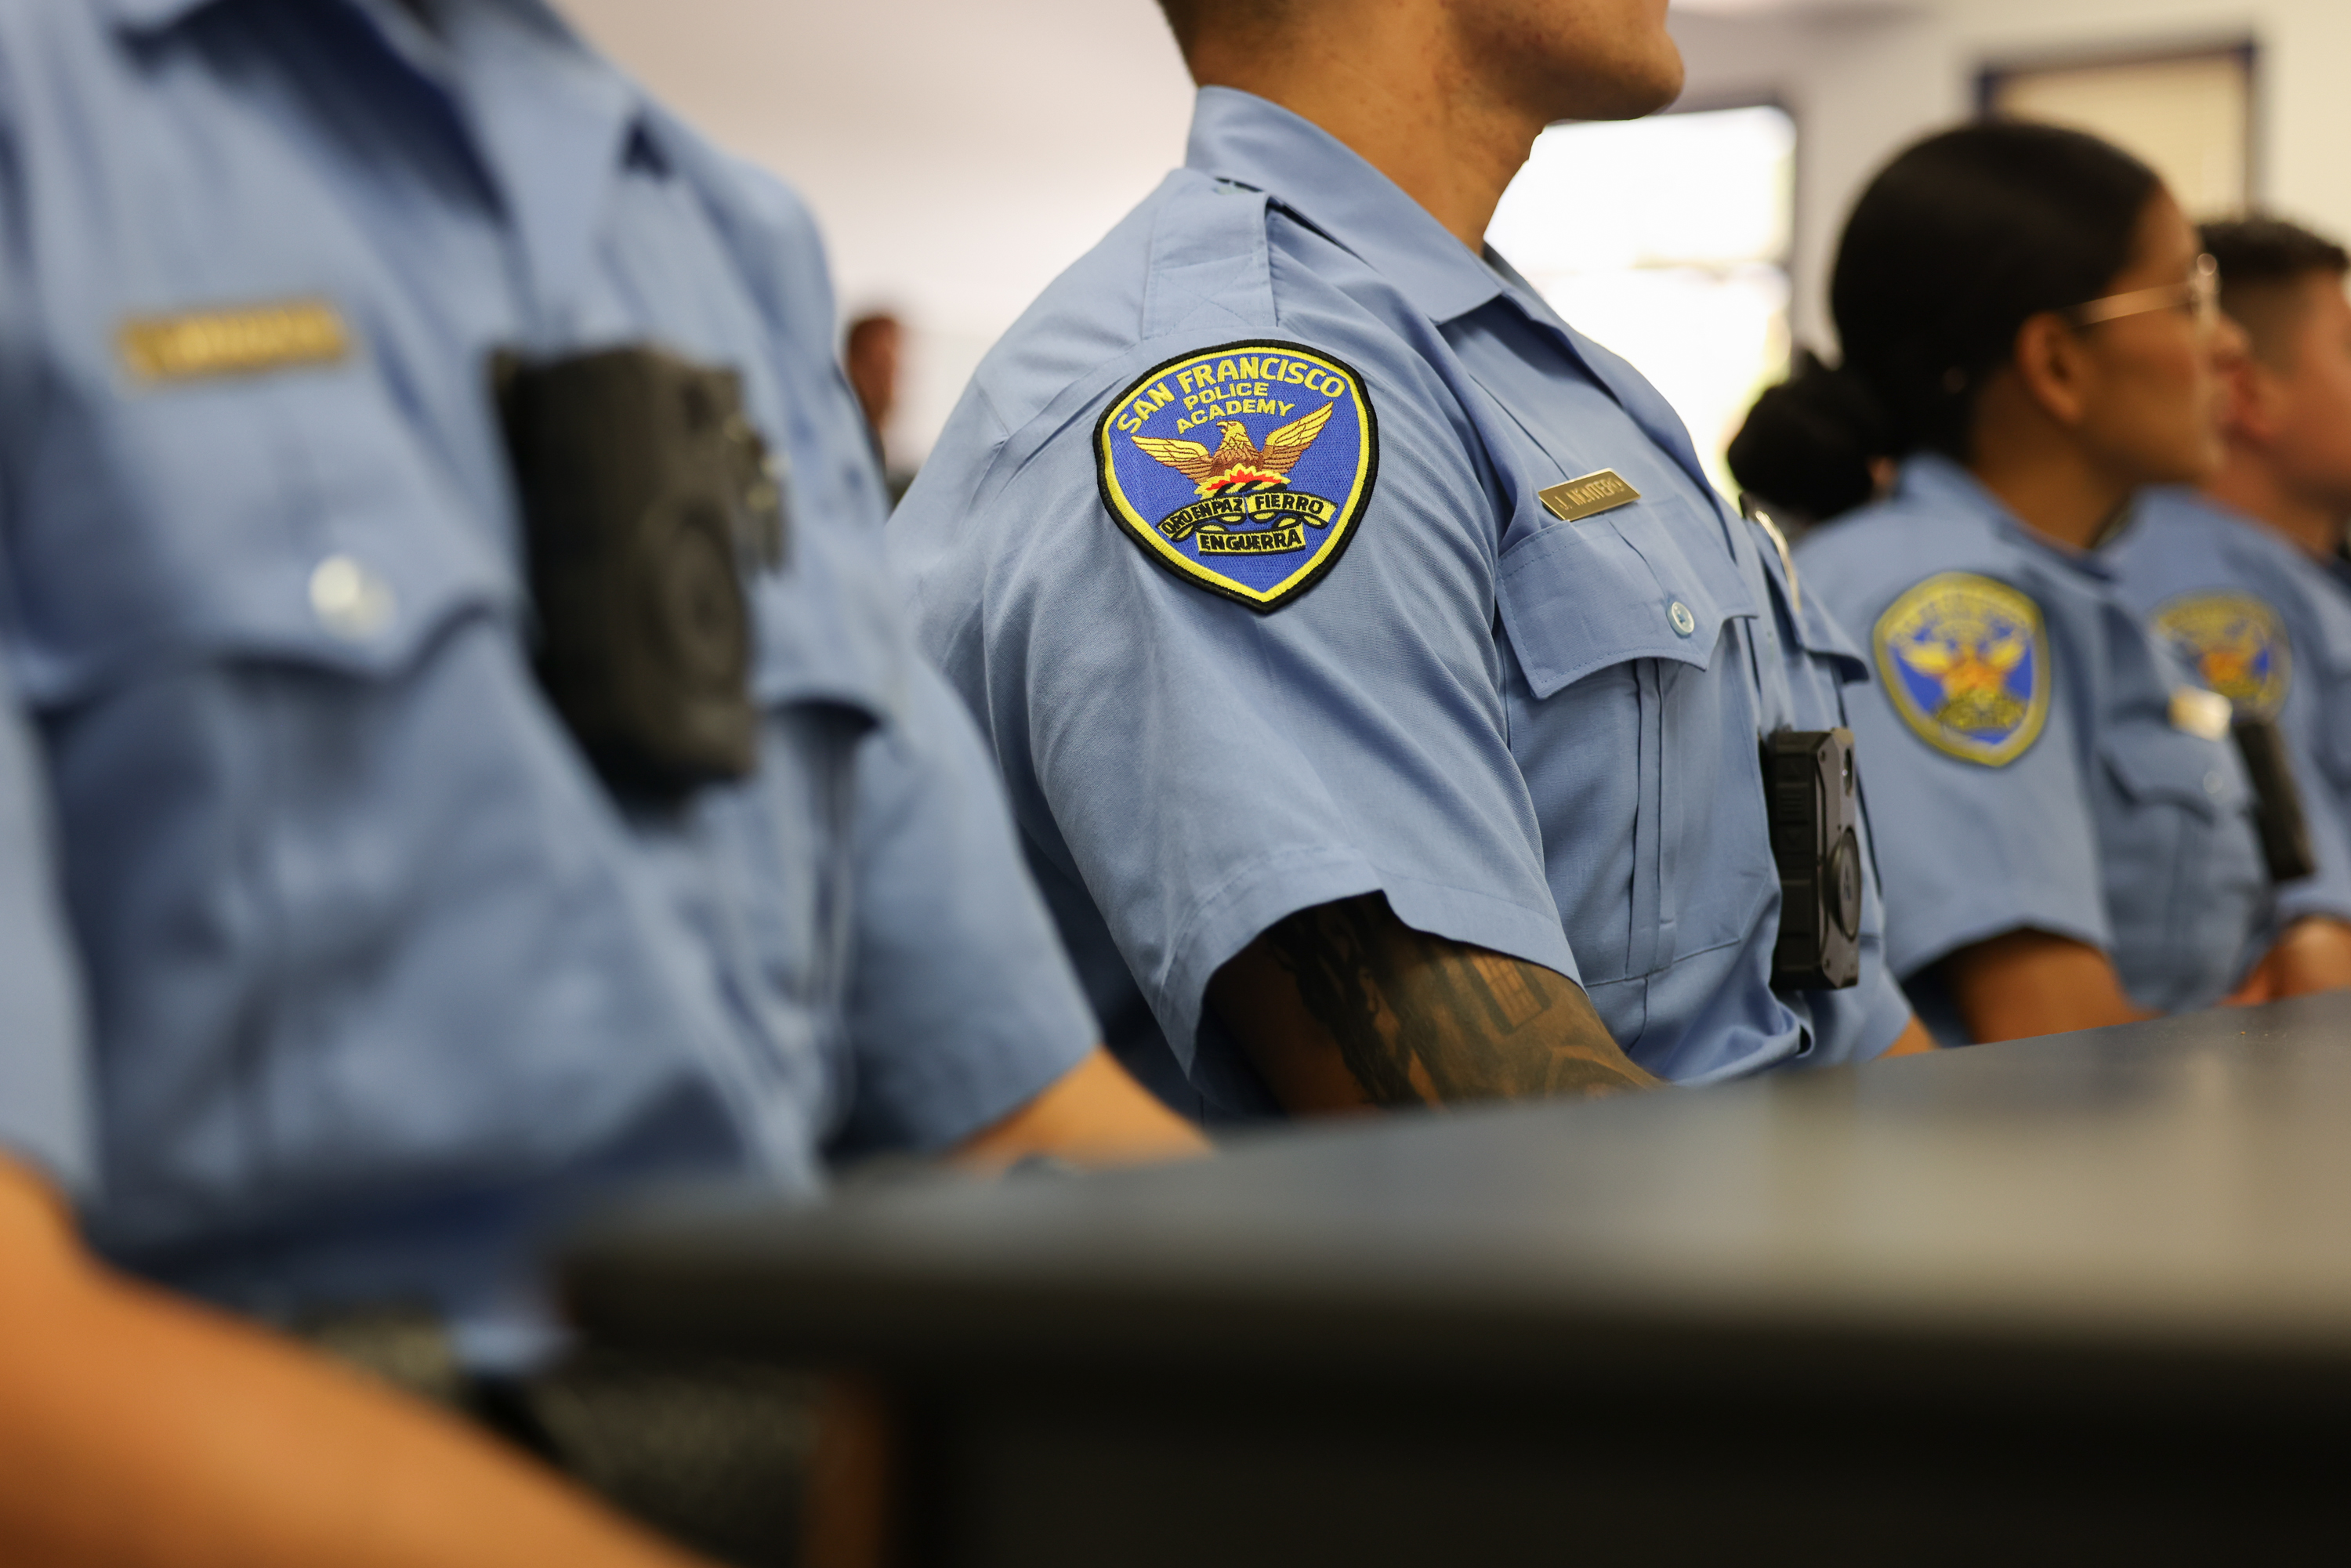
[
  {"x": 1588, "y": 497},
  {"x": 240, "y": 342}
]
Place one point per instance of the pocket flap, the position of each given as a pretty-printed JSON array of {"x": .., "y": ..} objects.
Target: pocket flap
[
  {"x": 828, "y": 631},
  {"x": 2155, "y": 762},
  {"x": 1824, "y": 638},
  {"x": 1579, "y": 597},
  {"x": 1816, "y": 631},
  {"x": 295, "y": 518}
]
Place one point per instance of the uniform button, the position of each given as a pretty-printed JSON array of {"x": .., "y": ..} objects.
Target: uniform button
[
  {"x": 348, "y": 600},
  {"x": 1684, "y": 621},
  {"x": 2214, "y": 784}
]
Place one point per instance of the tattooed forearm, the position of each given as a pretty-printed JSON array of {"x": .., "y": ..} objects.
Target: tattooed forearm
[{"x": 1418, "y": 1019}]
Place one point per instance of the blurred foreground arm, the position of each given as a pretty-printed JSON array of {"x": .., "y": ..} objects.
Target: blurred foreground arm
[
  {"x": 1914, "y": 1040},
  {"x": 1096, "y": 1115},
  {"x": 1343, "y": 1006},
  {"x": 139, "y": 1430},
  {"x": 2313, "y": 955},
  {"x": 2025, "y": 983}
]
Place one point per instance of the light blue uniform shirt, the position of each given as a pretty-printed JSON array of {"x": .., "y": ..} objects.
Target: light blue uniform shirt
[
  {"x": 382, "y": 982},
  {"x": 1535, "y": 735},
  {"x": 2104, "y": 822},
  {"x": 2270, "y": 629}
]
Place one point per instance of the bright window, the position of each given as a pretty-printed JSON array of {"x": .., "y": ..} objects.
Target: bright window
[{"x": 1666, "y": 240}]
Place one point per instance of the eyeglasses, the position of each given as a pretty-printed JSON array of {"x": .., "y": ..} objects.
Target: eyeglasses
[{"x": 2199, "y": 296}]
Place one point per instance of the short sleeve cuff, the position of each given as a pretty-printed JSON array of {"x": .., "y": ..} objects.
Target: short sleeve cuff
[
  {"x": 1235, "y": 913},
  {"x": 2325, "y": 898},
  {"x": 1037, "y": 1029},
  {"x": 963, "y": 1007}
]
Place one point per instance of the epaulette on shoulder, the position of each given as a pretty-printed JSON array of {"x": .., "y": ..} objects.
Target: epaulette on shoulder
[
  {"x": 1195, "y": 248},
  {"x": 1209, "y": 269},
  {"x": 768, "y": 229}
]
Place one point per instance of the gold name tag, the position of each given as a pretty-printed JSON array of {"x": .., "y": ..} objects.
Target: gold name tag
[
  {"x": 2206, "y": 715},
  {"x": 1588, "y": 497},
  {"x": 234, "y": 343}
]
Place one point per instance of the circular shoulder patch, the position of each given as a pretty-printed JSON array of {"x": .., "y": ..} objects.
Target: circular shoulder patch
[
  {"x": 1966, "y": 662},
  {"x": 1242, "y": 469},
  {"x": 2235, "y": 643}
]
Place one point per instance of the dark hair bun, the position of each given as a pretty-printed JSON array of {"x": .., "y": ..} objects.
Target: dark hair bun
[{"x": 1807, "y": 445}]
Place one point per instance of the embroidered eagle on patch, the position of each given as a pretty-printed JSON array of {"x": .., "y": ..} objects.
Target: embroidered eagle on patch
[
  {"x": 1265, "y": 513},
  {"x": 2236, "y": 644},
  {"x": 1239, "y": 463},
  {"x": 1965, "y": 660}
]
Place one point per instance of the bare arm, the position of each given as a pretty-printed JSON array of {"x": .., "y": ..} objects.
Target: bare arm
[
  {"x": 1343, "y": 1006},
  {"x": 1914, "y": 1040},
  {"x": 2025, "y": 983},
  {"x": 136, "y": 1429},
  {"x": 1095, "y": 1114},
  {"x": 2313, "y": 955}
]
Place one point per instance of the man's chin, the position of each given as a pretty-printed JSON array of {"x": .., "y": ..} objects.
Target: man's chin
[{"x": 1640, "y": 87}]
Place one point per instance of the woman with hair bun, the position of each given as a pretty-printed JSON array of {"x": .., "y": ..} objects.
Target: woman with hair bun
[{"x": 2065, "y": 830}]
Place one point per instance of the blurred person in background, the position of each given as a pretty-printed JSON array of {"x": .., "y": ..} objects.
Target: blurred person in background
[
  {"x": 2066, "y": 827},
  {"x": 1380, "y": 686},
  {"x": 871, "y": 352},
  {"x": 416, "y": 906},
  {"x": 2242, "y": 574}
]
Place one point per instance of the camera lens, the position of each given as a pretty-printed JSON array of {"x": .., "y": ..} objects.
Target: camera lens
[{"x": 1844, "y": 884}]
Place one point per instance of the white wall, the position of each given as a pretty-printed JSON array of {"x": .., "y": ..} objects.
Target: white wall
[
  {"x": 960, "y": 154},
  {"x": 1863, "y": 84},
  {"x": 2304, "y": 129}
]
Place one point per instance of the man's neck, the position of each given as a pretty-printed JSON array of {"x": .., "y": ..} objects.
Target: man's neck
[
  {"x": 1404, "y": 104},
  {"x": 2246, "y": 486}
]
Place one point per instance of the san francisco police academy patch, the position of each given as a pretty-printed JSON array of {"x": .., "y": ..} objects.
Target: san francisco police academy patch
[
  {"x": 2235, "y": 643},
  {"x": 1243, "y": 469},
  {"x": 1965, "y": 661}
]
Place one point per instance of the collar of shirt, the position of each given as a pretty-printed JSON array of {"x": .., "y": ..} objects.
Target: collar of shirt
[
  {"x": 1245, "y": 138},
  {"x": 2186, "y": 500},
  {"x": 555, "y": 124},
  {"x": 2179, "y": 503},
  {"x": 1933, "y": 480},
  {"x": 551, "y": 123},
  {"x": 1241, "y": 137}
]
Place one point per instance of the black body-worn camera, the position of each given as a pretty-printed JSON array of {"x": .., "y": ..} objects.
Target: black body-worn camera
[
  {"x": 1813, "y": 804},
  {"x": 645, "y": 493},
  {"x": 2277, "y": 800}
]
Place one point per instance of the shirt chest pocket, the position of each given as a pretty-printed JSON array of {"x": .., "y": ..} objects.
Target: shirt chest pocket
[
  {"x": 292, "y": 517},
  {"x": 1834, "y": 653},
  {"x": 1635, "y": 722},
  {"x": 2156, "y": 765},
  {"x": 2182, "y": 873}
]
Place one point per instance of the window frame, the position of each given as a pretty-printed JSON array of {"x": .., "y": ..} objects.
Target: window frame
[{"x": 2245, "y": 50}]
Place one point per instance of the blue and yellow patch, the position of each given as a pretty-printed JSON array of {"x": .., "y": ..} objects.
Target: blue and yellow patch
[
  {"x": 1242, "y": 469},
  {"x": 1965, "y": 661},
  {"x": 2236, "y": 644}
]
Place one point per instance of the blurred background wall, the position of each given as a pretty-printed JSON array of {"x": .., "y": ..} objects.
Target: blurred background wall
[{"x": 959, "y": 154}]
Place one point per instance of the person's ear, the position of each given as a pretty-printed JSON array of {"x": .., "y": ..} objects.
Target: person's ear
[
  {"x": 2055, "y": 368},
  {"x": 2254, "y": 399},
  {"x": 2238, "y": 379}
]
